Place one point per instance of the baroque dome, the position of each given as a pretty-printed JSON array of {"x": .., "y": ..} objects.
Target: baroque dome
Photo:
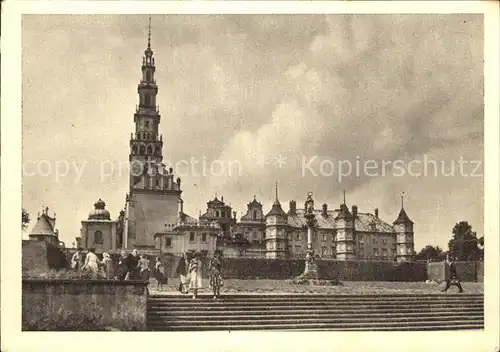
[{"x": 99, "y": 213}]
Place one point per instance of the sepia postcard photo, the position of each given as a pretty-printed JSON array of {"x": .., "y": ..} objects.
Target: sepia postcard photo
[{"x": 196, "y": 172}]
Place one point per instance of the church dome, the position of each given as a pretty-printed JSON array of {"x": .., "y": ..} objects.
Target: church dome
[{"x": 99, "y": 213}]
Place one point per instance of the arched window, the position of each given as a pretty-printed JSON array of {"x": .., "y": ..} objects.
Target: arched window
[
  {"x": 98, "y": 239},
  {"x": 217, "y": 213},
  {"x": 148, "y": 75},
  {"x": 142, "y": 150},
  {"x": 146, "y": 124},
  {"x": 255, "y": 214},
  {"x": 150, "y": 150},
  {"x": 158, "y": 150}
]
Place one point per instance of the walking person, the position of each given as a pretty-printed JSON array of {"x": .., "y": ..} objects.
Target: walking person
[
  {"x": 215, "y": 269},
  {"x": 77, "y": 260},
  {"x": 107, "y": 264},
  {"x": 91, "y": 263},
  {"x": 144, "y": 270},
  {"x": 159, "y": 274},
  {"x": 451, "y": 275},
  {"x": 182, "y": 272},
  {"x": 132, "y": 266},
  {"x": 122, "y": 266},
  {"x": 195, "y": 279}
]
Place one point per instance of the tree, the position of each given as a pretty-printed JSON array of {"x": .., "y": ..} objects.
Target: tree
[
  {"x": 464, "y": 243},
  {"x": 25, "y": 219},
  {"x": 429, "y": 253}
]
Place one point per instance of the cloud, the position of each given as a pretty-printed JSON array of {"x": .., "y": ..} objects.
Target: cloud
[{"x": 342, "y": 87}]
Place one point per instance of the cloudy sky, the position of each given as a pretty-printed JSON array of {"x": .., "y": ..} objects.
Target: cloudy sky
[{"x": 293, "y": 99}]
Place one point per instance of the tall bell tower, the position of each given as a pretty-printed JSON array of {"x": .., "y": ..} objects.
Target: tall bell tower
[
  {"x": 154, "y": 197},
  {"x": 146, "y": 144}
]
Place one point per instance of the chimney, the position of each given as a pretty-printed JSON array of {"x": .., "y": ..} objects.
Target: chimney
[
  {"x": 354, "y": 211},
  {"x": 325, "y": 209},
  {"x": 293, "y": 207},
  {"x": 376, "y": 213}
]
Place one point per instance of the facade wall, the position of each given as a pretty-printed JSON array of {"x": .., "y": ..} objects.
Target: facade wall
[
  {"x": 91, "y": 240},
  {"x": 189, "y": 240},
  {"x": 148, "y": 214},
  {"x": 376, "y": 246}
]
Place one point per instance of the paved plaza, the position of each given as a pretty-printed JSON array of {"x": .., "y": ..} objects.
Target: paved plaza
[{"x": 347, "y": 287}]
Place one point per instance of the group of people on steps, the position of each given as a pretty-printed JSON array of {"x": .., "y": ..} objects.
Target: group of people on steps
[
  {"x": 190, "y": 272},
  {"x": 135, "y": 266}
]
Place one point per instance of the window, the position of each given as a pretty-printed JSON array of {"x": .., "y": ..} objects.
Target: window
[
  {"x": 148, "y": 75},
  {"x": 98, "y": 239},
  {"x": 203, "y": 237},
  {"x": 217, "y": 213},
  {"x": 255, "y": 214},
  {"x": 223, "y": 214},
  {"x": 324, "y": 251},
  {"x": 374, "y": 240},
  {"x": 297, "y": 236},
  {"x": 146, "y": 124},
  {"x": 298, "y": 249},
  {"x": 191, "y": 237},
  {"x": 324, "y": 237},
  {"x": 168, "y": 242}
]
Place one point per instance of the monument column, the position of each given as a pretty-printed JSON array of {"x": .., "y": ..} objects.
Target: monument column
[{"x": 311, "y": 270}]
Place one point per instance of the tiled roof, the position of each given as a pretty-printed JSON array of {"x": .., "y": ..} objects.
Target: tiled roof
[
  {"x": 188, "y": 219},
  {"x": 361, "y": 224},
  {"x": 326, "y": 222},
  {"x": 276, "y": 209},
  {"x": 403, "y": 218},
  {"x": 44, "y": 226},
  {"x": 363, "y": 221}
]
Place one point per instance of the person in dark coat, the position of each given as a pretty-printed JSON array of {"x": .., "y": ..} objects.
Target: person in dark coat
[
  {"x": 123, "y": 265},
  {"x": 181, "y": 272},
  {"x": 133, "y": 266},
  {"x": 451, "y": 275}
]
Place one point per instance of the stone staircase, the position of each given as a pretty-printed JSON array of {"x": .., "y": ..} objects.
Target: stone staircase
[{"x": 417, "y": 312}]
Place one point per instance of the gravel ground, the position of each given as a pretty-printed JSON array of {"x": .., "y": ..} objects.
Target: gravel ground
[{"x": 347, "y": 287}]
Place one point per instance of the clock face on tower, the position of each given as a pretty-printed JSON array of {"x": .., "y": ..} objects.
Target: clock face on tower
[{"x": 136, "y": 168}]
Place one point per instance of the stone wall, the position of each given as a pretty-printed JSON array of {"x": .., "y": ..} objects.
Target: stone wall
[
  {"x": 40, "y": 255},
  {"x": 66, "y": 305},
  {"x": 466, "y": 271}
]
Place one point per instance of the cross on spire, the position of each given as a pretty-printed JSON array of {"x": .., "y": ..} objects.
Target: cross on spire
[
  {"x": 276, "y": 190},
  {"x": 344, "y": 196},
  {"x": 402, "y": 195}
]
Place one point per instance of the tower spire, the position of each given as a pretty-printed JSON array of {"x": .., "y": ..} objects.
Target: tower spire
[
  {"x": 276, "y": 190},
  {"x": 344, "y": 196},
  {"x": 149, "y": 33},
  {"x": 402, "y": 194}
]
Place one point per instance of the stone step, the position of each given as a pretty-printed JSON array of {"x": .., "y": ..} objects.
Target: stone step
[
  {"x": 185, "y": 316},
  {"x": 257, "y": 297},
  {"x": 291, "y": 305},
  {"x": 316, "y": 312},
  {"x": 358, "y": 326},
  {"x": 316, "y": 319}
]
